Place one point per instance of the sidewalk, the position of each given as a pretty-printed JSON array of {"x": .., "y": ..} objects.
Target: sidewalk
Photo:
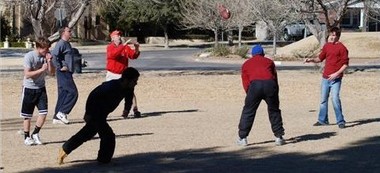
[{"x": 11, "y": 59}]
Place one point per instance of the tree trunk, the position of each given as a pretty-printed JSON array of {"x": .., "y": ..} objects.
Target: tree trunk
[
  {"x": 240, "y": 31},
  {"x": 322, "y": 38},
  {"x": 37, "y": 28},
  {"x": 274, "y": 45},
  {"x": 166, "y": 38},
  {"x": 365, "y": 17},
  {"x": 73, "y": 20},
  {"x": 216, "y": 38}
]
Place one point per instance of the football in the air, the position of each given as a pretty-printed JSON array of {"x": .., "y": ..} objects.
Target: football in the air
[{"x": 224, "y": 12}]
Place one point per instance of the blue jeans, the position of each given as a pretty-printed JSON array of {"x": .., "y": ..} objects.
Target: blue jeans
[{"x": 332, "y": 87}]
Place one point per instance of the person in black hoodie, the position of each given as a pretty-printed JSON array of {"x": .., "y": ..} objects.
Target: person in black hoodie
[{"x": 103, "y": 100}]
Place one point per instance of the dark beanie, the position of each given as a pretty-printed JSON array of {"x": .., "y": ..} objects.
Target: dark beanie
[
  {"x": 130, "y": 73},
  {"x": 257, "y": 50}
]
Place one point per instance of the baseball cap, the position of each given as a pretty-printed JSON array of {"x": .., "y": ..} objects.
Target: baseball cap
[
  {"x": 114, "y": 33},
  {"x": 257, "y": 50}
]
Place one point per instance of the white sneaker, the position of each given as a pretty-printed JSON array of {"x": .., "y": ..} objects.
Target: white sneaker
[
  {"x": 63, "y": 117},
  {"x": 279, "y": 141},
  {"x": 56, "y": 121},
  {"x": 242, "y": 142},
  {"x": 36, "y": 139},
  {"x": 29, "y": 141}
]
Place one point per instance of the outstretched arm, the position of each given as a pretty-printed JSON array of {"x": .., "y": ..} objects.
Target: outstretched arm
[{"x": 314, "y": 60}]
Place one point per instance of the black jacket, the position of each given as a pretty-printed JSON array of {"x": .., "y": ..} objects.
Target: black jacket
[{"x": 104, "y": 99}]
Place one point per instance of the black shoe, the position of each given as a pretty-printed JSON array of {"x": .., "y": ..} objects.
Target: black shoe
[
  {"x": 319, "y": 124},
  {"x": 124, "y": 115},
  {"x": 137, "y": 114},
  {"x": 341, "y": 126}
]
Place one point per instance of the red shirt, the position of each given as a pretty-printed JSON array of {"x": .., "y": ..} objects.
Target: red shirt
[
  {"x": 336, "y": 55},
  {"x": 117, "y": 57},
  {"x": 257, "y": 68}
]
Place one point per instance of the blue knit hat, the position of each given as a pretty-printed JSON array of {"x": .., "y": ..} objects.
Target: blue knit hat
[{"x": 257, "y": 50}]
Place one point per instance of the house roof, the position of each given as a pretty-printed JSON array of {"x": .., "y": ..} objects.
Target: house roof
[
  {"x": 351, "y": 4},
  {"x": 360, "y": 4}
]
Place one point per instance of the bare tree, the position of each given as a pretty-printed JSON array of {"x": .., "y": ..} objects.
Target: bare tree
[
  {"x": 203, "y": 14},
  {"x": 371, "y": 12},
  {"x": 37, "y": 10},
  {"x": 77, "y": 12},
  {"x": 40, "y": 11},
  {"x": 242, "y": 15},
  {"x": 312, "y": 10},
  {"x": 275, "y": 14}
]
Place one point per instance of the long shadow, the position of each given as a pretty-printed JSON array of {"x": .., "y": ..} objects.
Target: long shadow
[
  {"x": 11, "y": 124},
  {"x": 14, "y": 124},
  {"x": 81, "y": 121},
  {"x": 361, "y": 122},
  {"x": 302, "y": 138},
  {"x": 160, "y": 113},
  {"x": 310, "y": 137},
  {"x": 143, "y": 115},
  {"x": 97, "y": 138},
  {"x": 361, "y": 156}
]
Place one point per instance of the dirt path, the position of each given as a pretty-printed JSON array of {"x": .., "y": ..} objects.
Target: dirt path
[{"x": 190, "y": 125}]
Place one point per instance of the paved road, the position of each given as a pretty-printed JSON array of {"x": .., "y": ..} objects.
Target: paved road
[
  {"x": 184, "y": 59},
  {"x": 171, "y": 59}
]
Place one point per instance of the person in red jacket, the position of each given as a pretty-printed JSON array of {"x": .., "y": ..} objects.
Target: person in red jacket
[
  {"x": 118, "y": 55},
  {"x": 259, "y": 79},
  {"x": 336, "y": 56}
]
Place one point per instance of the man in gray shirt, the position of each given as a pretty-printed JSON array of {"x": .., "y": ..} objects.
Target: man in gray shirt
[
  {"x": 63, "y": 60},
  {"x": 37, "y": 64}
]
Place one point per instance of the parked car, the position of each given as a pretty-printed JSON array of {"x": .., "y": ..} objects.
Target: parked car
[{"x": 296, "y": 31}]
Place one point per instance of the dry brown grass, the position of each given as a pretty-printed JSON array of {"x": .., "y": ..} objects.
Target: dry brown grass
[{"x": 190, "y": 124}]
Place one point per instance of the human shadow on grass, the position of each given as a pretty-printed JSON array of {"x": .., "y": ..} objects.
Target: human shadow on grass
[
  {"x": 361, "y": 156},
  {"x": 302, "y": 138},
  {"x": 361, "y": 122},
  {"x": 143, "y": 115},
  {"x": 97, "y": 138},
  {"x": 160, "y": 113},
  {"x": 81, "y": 121},
  {"x": 16, "y": 124}
]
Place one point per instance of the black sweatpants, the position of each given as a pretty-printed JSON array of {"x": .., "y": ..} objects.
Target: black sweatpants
[
  {"x": 258, "y": 90},
  {"x": 106, "y": 135},
  {"x": 67, "y": 93}
]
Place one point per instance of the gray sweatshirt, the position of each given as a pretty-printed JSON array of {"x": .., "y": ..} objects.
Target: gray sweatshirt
[{"x": 62, "y": 55}]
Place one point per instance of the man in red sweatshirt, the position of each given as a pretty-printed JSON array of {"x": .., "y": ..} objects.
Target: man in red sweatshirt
[
  {"x": 118, "y": 55},
  {"x": 259, "y": 79},
  {"x": 336, "y": 56}
]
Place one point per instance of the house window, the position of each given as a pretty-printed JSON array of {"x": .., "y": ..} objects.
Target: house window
[
  {"x": 355, "y": 17},
  {"x": 351, "y": 19}
]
